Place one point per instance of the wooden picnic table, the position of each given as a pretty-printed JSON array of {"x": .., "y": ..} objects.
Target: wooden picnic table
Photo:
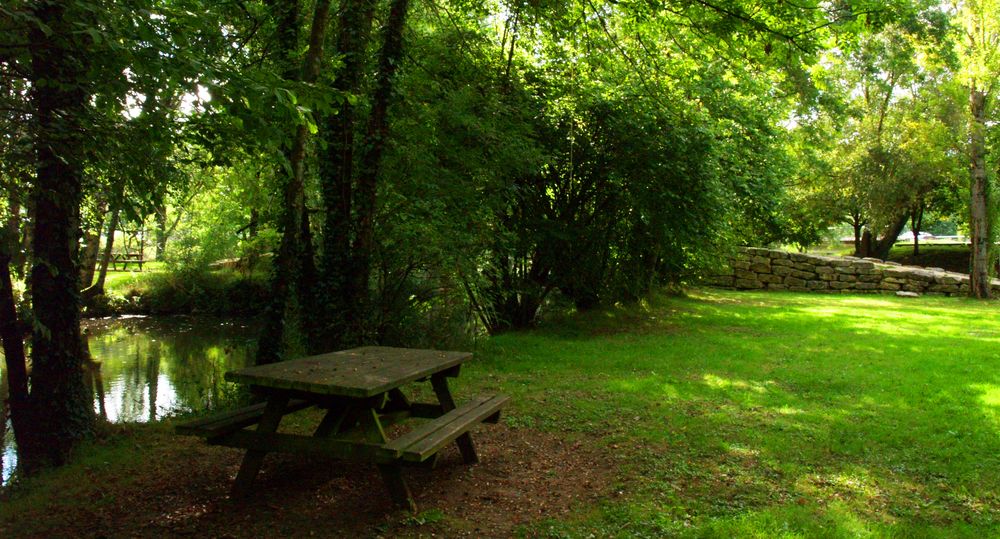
[
  {"x": 362, "y": 392},
  {"x": 125, "y": 259}
]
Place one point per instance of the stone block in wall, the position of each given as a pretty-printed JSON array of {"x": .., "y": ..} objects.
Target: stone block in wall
[
  {"x": 920, "y": 275},
  {"x": 873, "y": 259},
  {"x": 768, "y": 278},
  {"x": 840, "y": 263},
  {"x": 795, "y": 281},
  {"x": 940, "y": 270},
  {"x": 910, "y": 287},
  {"x": 781, "y": 262},
  {"x": 947, "y": 279},
  {"x": 822, "y": 270},
  {"x": 888, "y": 286},
  {"x": 868, "y": 271},
  {"x": 947, "y": 288},
  {"x": 799, "y": 257},
  {"x": 755, "y": 251},
  {"x": 847, "y": 270},
  {"x": 778, "y": 254},
  {"x": 891, "y": 263},
  {"x": 895, "y": 273},
  {"x": 817, "y": 285},
  {"x": 844, "y": 278},
  {"x": 760, "y": 260},
  {"x": 827, "y": 276},
  {"x": 720, "y": 280},
  {"x": 782, "y": 270},
  {"x": 894, "y": 280},
  {"x": 803, "y": 274},
  {"x": 865, "y": 286},
  {"x": 741, "y": 264},
  {"x": 749, "y": 284},
  {"x": 870, "y": 278},
  {"x": 838, "y": 285},
  {"x": 760, "y": 268},
  {"x": 744, "y": 274},
  {"x": 802, "y": 266},
  {"x": 863, "y": 264}
]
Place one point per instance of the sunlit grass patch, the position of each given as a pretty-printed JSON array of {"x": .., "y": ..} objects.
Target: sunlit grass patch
[{"x": 777, "y": 414}]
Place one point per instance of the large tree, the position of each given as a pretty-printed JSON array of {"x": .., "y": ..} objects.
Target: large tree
[{"x": 979, "y": 24}]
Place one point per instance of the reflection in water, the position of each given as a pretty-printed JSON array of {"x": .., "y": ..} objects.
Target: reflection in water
[{"x": 145, "y": 368}]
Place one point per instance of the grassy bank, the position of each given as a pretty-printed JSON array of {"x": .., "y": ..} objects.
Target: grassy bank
[
  {"x": 157, "y": 291},
  {"x": 718, "y": 415}
]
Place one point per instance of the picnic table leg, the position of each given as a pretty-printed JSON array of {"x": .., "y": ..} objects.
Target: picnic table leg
[
  {"x": 464, "y": 441},
  {"x": 335, "y": 420},
  {"x": 254, "y": 458},
  {"x": 399, "y": 491},
  {"x": 392, "y": 473}
]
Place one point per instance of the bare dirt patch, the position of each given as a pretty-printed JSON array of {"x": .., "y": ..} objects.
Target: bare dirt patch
[{"x": 181, "y": 490}]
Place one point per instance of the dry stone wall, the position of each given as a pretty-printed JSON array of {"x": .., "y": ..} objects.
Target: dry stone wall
[{"x": 767, "y": 269}]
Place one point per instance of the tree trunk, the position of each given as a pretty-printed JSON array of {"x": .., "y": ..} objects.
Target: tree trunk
[
  {"x": 15, "y": 245},
  {"x": 979, "y": 221},
  {"x": 857, "y": 236},
  {"x": 337, "y": 172},
  {"x": 889, "y": 235},
  {"x": 375, "y": 140},
  {"x": 92, "y": 249},
  {"x": 287, "y": 275},
  {"x": 97, "y": 288},
  {"x": 160, "y": 216},
  {"x": 61, "y": 410},
  {"x": 866, "y": 244},
  {"x": 13, "y": 349},
  {"x": 916, "y": 222}
]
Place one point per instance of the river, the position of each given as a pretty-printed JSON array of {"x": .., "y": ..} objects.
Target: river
[{"x": 152, "y": 367}]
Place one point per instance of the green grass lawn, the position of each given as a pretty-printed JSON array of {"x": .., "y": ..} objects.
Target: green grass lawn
[
  {"x": 120, "y": 281},
  {"x": 773, "y": 415}
]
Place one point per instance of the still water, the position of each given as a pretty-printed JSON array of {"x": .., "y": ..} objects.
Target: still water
[{"x": 151, "y": 367}]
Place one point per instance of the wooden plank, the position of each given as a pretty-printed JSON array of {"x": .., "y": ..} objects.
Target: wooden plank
[
  {"x": 309, "y": 445},
  {"x": 359, "y": 372},
  {"x": 399, "y": 491},
  {"x": 446, "y": 433},
  {"x": 429, "y": 427},
  {"x": 218, "y": 424},
  {"x": 254, "y": 458},
  {"x": 464, "y": 442}
]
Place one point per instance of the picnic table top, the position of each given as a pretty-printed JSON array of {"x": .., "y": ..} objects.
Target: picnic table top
[{"x": 359, "y": 372}]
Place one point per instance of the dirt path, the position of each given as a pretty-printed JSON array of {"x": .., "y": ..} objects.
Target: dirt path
[{"x": 181, "y": 489}]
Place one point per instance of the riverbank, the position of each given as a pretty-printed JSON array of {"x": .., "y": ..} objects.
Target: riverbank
[
  {"x": 219, "y": 292},
  {"x": 722, "y": 414}
]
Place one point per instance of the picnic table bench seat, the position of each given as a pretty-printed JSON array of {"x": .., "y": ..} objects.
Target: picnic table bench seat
[
  {"x": 426, "y": 440},
  {"x": 223, "y": 423}
]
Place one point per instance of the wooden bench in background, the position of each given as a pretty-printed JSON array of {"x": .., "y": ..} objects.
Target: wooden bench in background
[{"x": 125, "y": 259}]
